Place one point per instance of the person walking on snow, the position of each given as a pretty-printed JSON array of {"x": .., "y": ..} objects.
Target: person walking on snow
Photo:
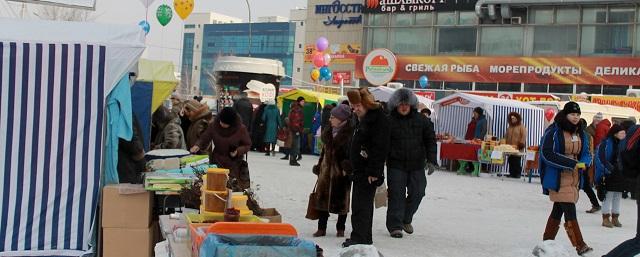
[
  {"x": 296, "y": 125},
  {"x": 595, "y": 131},
  {"x": 413, "y": 149},
  {"x": 609, "y": 176},
  {"x": 368, "y": 150},
  {"x": 564, "y": 154},
  {"x": 271, "y": 119}
]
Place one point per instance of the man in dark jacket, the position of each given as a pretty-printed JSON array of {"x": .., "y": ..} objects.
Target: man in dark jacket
[
  {"x": 244, "y": 108},
  {"x": 296, "y": 125},
  {"x": 368, "y": 151},
  {"x": 413, "y": 144}
]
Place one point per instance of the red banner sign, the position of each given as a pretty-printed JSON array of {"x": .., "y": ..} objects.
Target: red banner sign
[
  {"x": 622, "y": 101},
  {"x": 523, "y": 97},
  {"x": 346, "y": 76},
  {"x": 543, "y": 70},
  {"x": 426, "y": 94}
]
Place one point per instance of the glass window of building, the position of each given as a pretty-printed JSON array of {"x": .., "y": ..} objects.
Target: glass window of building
[
  {"x": 379, "y": 38},
  {"x": 410, "y": 40},
  {"x": 561, "y": 88},
  {"x": 457, "y": 41},
  {"x": 541, "y": 15},
  {"x": 614, "y": 90},
  {"x": 567, "y": 15},
  {"x": 468, "y": 18},
  {"x": 381, "y": 19},
  {"x": 607, "y": 40},
  {"x": 594, "y": 15},
  {"x": 501, "y": 40},
  {"x": 424, "y": 18},
  {"x": 622, "y": 14},
  {"x": 402, "y": 19},
  {"x": 457, "y": 85},
  {"x": 538, "y": 88},
  {"x": 565, "y": 40},
  {"x": 433, "y": 84},
  {"x": 589, "y": 89},
  {"x": 447, "y": 18},
  {"x": 509, "y": 87},
  {"x": 487, "y": 86}
]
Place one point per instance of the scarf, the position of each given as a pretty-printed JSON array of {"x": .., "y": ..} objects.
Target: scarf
[{"x": 334, "y": 131}]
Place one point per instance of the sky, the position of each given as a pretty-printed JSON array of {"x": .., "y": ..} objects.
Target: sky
[{"x": 164, "y": 43}]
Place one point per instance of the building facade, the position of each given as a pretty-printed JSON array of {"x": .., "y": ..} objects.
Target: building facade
[{"x": 299, "y": 18}]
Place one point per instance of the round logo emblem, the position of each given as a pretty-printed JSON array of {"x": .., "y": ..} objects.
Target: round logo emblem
[{"x": 380, "y": 67}]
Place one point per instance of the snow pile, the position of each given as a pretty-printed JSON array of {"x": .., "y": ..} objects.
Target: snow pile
[
  {"x": 551, "y": 248},
  {"x": 360, "y": 251}
]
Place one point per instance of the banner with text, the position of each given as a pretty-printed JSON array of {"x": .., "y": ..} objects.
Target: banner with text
[
  {"x": 340, "y": 53},
  {"x": 413, "y": 6},
  {"x": 622, "y": 101},
  {"x": 523, "y": 97},
  {"x": 543, "y": 70}
]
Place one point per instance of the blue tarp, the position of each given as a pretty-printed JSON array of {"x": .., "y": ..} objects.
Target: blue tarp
[
  {"x": 142, "y": 93},
  {"x": 256, "y": 245}
]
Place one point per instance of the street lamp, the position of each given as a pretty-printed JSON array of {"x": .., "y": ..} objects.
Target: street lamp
[{"x": 249, "y": 9}]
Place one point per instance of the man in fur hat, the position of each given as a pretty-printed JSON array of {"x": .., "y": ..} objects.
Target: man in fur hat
[
  {"x": 413, "y": 149},
  {"x": 368, "y": 151}
]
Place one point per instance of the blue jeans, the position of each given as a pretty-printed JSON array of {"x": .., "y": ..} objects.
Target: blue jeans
[{"x": 406, "y": 190}]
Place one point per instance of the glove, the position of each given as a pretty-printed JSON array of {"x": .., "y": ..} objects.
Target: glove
[
  {"x": 581, "y": 166},
  {"x": 430, "y": 168}
]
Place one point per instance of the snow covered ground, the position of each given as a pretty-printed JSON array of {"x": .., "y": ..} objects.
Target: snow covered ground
[{"x": 460, "y": 216}]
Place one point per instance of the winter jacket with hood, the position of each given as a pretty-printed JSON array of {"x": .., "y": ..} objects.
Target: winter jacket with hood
[
  {"x": 516, "y": 133},
  {"x": 606, "y": 165},
  {"x": 370, "y": 146},
  {"x": 170, "y": 134},
  {"x": 412, "y": 136},
  {"x": 244, "y": 108},
  {"x": 271, "y": 119},
  {"x": 601, "y": 131},
  {"x": 296, "y": 118},
  {"x": 225, "y": 140}
]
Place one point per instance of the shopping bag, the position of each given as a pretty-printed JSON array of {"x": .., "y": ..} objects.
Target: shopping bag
[
  {"x": 312, "y": 212},
  {"x": 280, "y": 143},
  {"x": 381, "y": 196}
]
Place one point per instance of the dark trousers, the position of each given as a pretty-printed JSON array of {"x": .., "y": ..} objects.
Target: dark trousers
[
  {"x": 566, "y": 209},
  {"x": 515, "y": 166},
  {"x": 406, "y": 190},
  {"x": 294, "y": 151},
  {"x": 324, "y": 217},
  {"x": 589, "y": 191},
  {"x": 362, "y": 211}
]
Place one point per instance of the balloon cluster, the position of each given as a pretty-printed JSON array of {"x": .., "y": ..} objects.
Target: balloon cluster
[
  {"x": 321, "y": 61},
  {"x": 164, "y": 13}
]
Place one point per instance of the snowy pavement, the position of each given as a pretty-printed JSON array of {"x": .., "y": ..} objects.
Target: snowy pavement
[{"x": 460, "y": 216}]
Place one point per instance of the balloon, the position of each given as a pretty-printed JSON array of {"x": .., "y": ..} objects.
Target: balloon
[
  {"x": 164, "y": 14},
  {"x": 328, "y": 76},
  {"x": 326, "y": 59},
  {"x": 325, "y": 72},
  {"x": 424, "y": 81},
  {"x": 322, "y": 44},
  {"x": 549, "y": 113},
  {"x": 339, "y": 77},
  {"x": 145, "y": 26},
  {"x": 183, "y": 8},
  {"x": 315, "y": 74},
  {"x": 318, "y": 60}
]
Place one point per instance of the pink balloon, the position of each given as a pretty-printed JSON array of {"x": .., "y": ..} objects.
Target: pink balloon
[
  {"x": 322, "y": 44},
  {"x": 549, "y": 113},
  {"x": 318, "y": 60},
  {"x": 326, "y": 59}
]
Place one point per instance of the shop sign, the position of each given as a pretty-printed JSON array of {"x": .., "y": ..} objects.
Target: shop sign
[
  {"x": 623, "y": 101},
  {"x": 380, "y": 67},
  {"x": 412, "y": 6},
  {"x": 340, "y": 53},
  {"x": 427, "y": 94},
  {"x": 456, "y": 100},
  {"x": 346, "y": 77},
  {"x": 539, "y": 70},
  {"x": 523, "y": 97},
  {"x": 337, "y": 11}
]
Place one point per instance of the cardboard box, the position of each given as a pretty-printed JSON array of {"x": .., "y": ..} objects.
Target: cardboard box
[
  {"x": 123, "y": 207},
  {"x": 272, "y": 215},
  {"x": 129, "y": 242}
]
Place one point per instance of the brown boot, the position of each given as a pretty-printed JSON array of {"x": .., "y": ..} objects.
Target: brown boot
[
  {"x": 605, "y": 221},
  {"x": 575, "y": 236},
  {"x": 615, "y": 221},
  {"x": 550, "y": 232},
  {"x": 320, "y": 232}
]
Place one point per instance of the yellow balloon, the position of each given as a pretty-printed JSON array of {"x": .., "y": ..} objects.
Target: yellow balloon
[
  {"x": 315, "y": 74},
  {"x": 183, "y": 8}
]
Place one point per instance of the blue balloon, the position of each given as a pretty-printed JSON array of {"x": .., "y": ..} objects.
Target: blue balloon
[
  {"x": 325, "y": 73},
  {"x": 424, "y": 81},
  {"x": 145, "y": 26},
  {"x": 329, "y": 76}
]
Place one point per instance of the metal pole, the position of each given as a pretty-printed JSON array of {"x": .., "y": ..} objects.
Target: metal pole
[
  {"x": 342, "y": 86},
  {"x": 249, "y": 9}
]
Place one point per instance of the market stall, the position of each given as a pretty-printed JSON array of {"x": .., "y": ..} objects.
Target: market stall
[
  {"x": 613, "y": 113},
  {"x": 454, "y": 112}
]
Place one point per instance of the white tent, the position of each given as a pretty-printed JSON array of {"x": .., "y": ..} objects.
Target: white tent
[
  {"x": 383, "y": 94},
  {"x": 591, "y": 109}
]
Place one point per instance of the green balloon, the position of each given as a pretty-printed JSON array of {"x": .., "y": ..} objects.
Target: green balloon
[{"x": 164, "y": 14}]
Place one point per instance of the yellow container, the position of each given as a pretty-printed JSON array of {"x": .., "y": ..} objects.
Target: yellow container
[
  {"x": 216, "y": 179},
  {"x": 213, "y": 201},
  {"x": 239, "y": 201},
  {"x": 195, "y": 218}
]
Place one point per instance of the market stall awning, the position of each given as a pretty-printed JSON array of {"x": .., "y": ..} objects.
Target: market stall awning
[{"x": 309, "y": 96}]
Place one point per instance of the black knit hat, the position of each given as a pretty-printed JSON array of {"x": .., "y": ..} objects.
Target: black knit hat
[
  {"x": 571, "y": 107},
  {"x": 479, "y": 111},
  {"x": 228, "y": 116},
  {"x": 614, "y": 130},
  {"x": 300, "y": 98}
]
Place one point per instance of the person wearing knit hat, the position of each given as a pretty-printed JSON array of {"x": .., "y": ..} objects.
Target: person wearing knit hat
[
  {"x": 368, "y": 151},
  {"x": 413, "y": 149},
  {"x": 610, "y": 180},
  {"x": 333, "y": 188},
  {"x": 564, "y": 154},
  {"x": 296, "y": 126}
]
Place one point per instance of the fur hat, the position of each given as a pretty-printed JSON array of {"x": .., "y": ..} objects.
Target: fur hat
[
  {"x": 195, "y": 110},
  {"x": 571, "y": 107},
  {"x": 341, "y": 112},
  {"x": 402, "y": 96},
  {"x": 228, "y": 116},
  {"x": 364, "y": 97},
  {"x": 615, "y": 129},
  {"x": 598, "y": 117}
]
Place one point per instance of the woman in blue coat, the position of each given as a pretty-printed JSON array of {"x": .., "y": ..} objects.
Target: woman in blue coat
[
  {"x": 609, "y": 176},
  {"x": 271, "y": 119},
  {"x": 564, "y": 155}
]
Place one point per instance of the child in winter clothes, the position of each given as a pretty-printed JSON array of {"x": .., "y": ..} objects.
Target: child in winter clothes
[{"x": 609, "y": 177}]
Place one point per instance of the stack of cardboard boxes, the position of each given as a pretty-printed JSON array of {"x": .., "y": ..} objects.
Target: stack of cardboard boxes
[{"x": 127, "y": 225}]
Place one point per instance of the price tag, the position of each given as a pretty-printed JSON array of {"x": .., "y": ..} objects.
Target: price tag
[
  {"x": 496, "y": 155},
  {"x": 531, "y": 156}
]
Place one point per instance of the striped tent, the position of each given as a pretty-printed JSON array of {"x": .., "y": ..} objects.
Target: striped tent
[
  {"x": 454, "y": 113},
  {"x": 52, "y": 100}
]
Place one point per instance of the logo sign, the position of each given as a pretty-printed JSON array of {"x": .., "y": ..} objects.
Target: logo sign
[
  {"x": 346, "y": 77},
  {"x": 336, "y": 12},
  {"x": 380, "y": 66},
  {"x": 427, "y": 94},
  {"x": 412, "y": 6}
]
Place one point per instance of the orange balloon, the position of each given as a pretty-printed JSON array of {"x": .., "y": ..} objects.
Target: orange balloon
[
  {"x": 183, "y": 8},
  {"x": 315, "y": 74}
]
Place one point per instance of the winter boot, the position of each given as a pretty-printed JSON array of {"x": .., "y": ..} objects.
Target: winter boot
[
  {"x": 594, "y": 209},
  {"x": 476, "y": 169},
  {"x": 551, "y": 230},
  {"x": 575, "y": 236},
  {"x": 407, "y": 228},
  {"x": 320, "y": 232},
  {"x": 463, "y": 167},
  {"x": 293, "y": 161},
  {"x": 286, "y": 157},
  {"x": 615, "y": 221},
  {"x": 605, "y": 221}
]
